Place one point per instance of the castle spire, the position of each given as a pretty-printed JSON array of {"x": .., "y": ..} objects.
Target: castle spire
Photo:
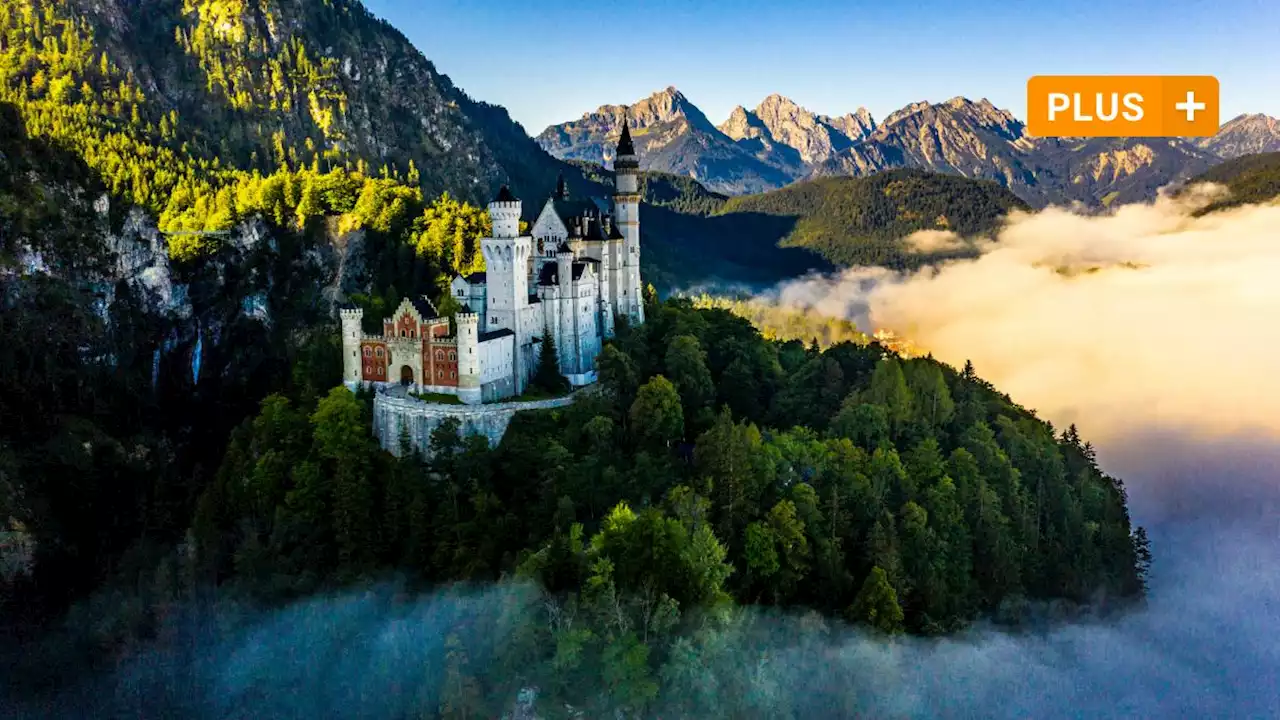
[
  {"x": 625, "y": 146},
  {"x": 561, "y": 192}
]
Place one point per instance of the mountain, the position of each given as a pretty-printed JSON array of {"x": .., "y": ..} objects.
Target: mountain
[
  {"x": 203, "y": 87},
  {"x": 671, "y": 135},
  {"x": 783, "y": 134},
  {"x": 978, "y": 140},
  {"x": 1244, "y": 135},
  {"x": 973, "y": 139}
]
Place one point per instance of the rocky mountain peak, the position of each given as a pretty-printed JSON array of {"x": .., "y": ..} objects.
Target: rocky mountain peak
[
  {"x": 907, "y": 111},
  {"x": 666, "y": 106},
  {"x": 854, "y": 125},
  {"x": 743, "y": 124},
  {"x": 815, "y": 138},
  {"x": 1244, "y": 135}
]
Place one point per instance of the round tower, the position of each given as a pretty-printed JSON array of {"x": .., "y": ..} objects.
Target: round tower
[
  {"x": 629, "y": 296},
  {"x": 504, "y": 211},
  {"x": 469, "y": 391},
  {"x": 351, "y": 317}
]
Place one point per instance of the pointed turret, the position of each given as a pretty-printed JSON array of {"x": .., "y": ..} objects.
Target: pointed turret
[
  {"x": 625, "y": 146},
  {"x": 625, "y": 156},
  {"x": 505, "y": 196},
  {"x": 562, "y": 193}
]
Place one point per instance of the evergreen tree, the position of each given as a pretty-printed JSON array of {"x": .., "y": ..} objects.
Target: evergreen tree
[
  {"x": 547, "y": 376},
  {"x": 877, "y": 604}
]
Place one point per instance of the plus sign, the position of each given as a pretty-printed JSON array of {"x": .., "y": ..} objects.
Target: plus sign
[{"x": 1190, "y": 106}]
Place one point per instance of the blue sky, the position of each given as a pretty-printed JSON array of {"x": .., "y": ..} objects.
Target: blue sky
[{"x": 550, "y": 61}]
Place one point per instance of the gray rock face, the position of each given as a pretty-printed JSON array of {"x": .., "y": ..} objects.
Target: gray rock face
[
  {"x": 671, "y": 135},
  {"x": 978, "y": 140},
  {"x": 142, "y": 260},
  {"x": 855, "y": 125},
  {"x": 1244, "y": 135},
  {"x": 391, "y": 414},
  {"x": 789, "y": 124}
]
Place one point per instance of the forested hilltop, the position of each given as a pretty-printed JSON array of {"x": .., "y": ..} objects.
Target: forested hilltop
[{"x": 713, "y": 469}]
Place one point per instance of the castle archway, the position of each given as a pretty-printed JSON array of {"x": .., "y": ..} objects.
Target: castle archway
[{"x": 406, "y": 375}]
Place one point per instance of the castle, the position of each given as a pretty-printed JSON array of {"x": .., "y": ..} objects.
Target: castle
[{"x": 576, "y": 271}]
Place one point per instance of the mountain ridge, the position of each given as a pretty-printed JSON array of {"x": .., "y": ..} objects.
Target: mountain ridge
[
  {"x": 671, "y": 135},
  {"x": 959, "y": 136}
]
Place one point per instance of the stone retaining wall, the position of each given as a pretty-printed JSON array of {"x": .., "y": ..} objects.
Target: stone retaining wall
[{"x": 421, "y": 418}]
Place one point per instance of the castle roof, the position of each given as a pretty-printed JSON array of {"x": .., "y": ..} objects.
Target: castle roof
[
  {"x": 549, "y": 276},
  {"x": 571, "y": 213},
  {"x": 348, "y": 306},
  {"x": 625, "y": 146},
  {"x": 504, "y": 195},
  {"x": 495, "y": 334},
  {"x": 570, "y": 209},
  {"x": 424, "y": 308},
  {"x": 476, "y": 278}
]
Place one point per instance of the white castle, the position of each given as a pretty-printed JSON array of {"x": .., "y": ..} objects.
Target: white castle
[{"x": 579, "y": 268}]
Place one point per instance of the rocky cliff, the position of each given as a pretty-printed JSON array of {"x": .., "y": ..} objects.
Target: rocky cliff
[
  {"x": 1244, "y": 135},
  {"x": 671, "y": 135}
]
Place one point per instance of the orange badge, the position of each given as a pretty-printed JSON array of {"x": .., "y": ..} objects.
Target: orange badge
[{"x": 1122, "y": 105}]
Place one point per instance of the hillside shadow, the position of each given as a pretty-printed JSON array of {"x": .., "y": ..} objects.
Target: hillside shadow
[{"x": 739, "y": 247}]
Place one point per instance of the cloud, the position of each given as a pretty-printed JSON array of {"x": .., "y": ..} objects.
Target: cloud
[
  {"x": 1148, "y": 316},
  {"x": 932, "y": 241}
]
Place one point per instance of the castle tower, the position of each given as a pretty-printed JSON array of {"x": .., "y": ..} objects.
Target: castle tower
[
  {"x": 506, "y": 257},
  {"x": 565, "y": 334},
  {"x": 351, "y": 361},
  {"x": 626, "y": 202},
  {"x": 469, "y": 358}
]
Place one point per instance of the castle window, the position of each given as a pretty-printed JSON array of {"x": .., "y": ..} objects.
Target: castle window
[
  {"x": 368, "y": 369},
  {"x": 379, "y": 352},
  {"x": 453, "y": 376},
  {"x": 453, "y": 357},
  {"x": 462, "y": 293},
  {"x": 380, "y": 371},
  {"x": 440, "y": 373},
  {"x": 368, "y": 352},
  {"x": 440, "y": 355}
]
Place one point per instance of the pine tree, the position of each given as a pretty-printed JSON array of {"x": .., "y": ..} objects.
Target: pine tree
[
  {"x": 548, "y": 376},
  {"x": 877, "y": 604}
]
